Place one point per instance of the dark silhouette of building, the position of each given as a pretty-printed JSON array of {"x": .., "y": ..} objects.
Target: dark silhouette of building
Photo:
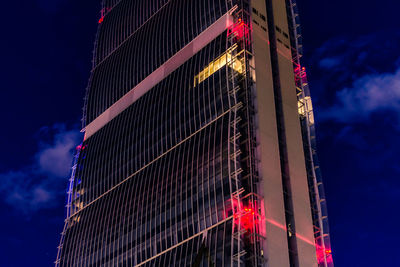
[{"x": 199, "y": 145}]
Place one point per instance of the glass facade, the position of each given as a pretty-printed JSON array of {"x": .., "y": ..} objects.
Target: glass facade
[
  {"x": 132, "y": 44},
  {"x": 175, "y": 179}
]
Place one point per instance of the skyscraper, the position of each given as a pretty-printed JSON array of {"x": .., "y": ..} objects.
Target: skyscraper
[{"x": 199, "y": 145}]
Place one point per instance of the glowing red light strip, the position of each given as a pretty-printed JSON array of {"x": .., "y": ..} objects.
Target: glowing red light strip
[{"x": 283, "y": 227}]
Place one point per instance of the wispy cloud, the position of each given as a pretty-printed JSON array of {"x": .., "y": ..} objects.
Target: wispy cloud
[
  {"x": 368, "y": 94},
  {"x": 42, "y": 183},
  {"x": 357, "y": 108},
  {"x": 358, "y": 78}
]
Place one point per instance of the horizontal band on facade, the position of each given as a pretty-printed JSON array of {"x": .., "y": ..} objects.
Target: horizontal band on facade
[
  {"x": 237, "y": 106},
  {"x": 160, "y": 73}
]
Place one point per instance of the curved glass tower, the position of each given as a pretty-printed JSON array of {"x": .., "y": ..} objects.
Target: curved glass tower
[{"x": 199, "y": 145}]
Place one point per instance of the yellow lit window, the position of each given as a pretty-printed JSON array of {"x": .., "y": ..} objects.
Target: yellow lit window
[
  {"x": 305, "y": 108},
  {"x": 217, "y": 64}
]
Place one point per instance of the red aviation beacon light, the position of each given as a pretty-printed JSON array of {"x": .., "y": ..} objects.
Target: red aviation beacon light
[
  {"x": 103, "y": 12},
  {"x": 239, "y": 29}
]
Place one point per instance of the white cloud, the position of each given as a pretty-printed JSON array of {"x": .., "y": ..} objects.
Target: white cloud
[
  {"x": 56, "y": 159},
  {"x": 40, "y": 184},
  {"x": 368, "y": 94}
]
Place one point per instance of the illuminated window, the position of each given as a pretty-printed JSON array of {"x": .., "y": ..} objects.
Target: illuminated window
[
  {"x": 305, "y": 108},
  {"x": 217, "y": 64},
  {"x": 78, "y": 205}
]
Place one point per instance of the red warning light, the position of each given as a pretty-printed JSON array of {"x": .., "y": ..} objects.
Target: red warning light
[
  {"x": 103, "y": 12},
  {"x": 247, "y": 217},
  {"x": 239, "y": 29},
  {"x": 81, "y": 147},
  {"x": 323, "y": 254}
]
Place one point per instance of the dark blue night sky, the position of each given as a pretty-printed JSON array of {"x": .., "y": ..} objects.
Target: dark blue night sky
[{"x": 352, "y": 54}]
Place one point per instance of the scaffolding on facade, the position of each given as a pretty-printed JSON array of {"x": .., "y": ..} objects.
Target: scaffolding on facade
[
  {"x": 246, "y": 205},
  {"x": 317, "y": 194}
]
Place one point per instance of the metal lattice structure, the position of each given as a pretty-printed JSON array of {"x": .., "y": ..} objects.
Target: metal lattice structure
[{"x": 317, "y": 192}]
